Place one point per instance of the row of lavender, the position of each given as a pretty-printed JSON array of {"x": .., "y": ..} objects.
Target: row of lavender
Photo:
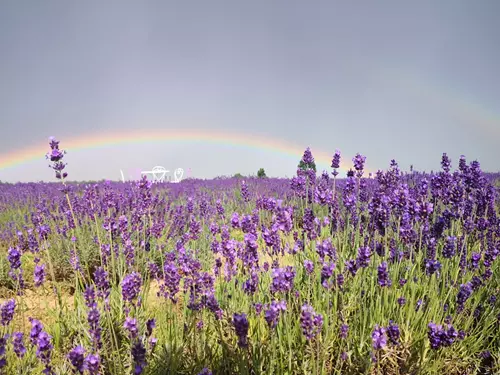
[{"x": 396, "y": 273}]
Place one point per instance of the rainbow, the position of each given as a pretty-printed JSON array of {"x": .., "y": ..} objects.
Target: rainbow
[{"x": 103, "y": 139}]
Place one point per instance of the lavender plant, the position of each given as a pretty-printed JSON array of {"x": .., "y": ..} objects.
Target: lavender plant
[{"x": 391, "y": 274}]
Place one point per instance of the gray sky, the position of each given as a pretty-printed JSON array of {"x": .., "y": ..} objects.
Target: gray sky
[{"x": 390, "y": 79}]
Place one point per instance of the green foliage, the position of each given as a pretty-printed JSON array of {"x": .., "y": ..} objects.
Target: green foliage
[{"x": 261, "y": 173}]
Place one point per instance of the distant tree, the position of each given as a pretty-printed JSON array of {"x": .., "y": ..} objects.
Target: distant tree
[
  {"x": 305, "y": 166},
  {"x": 238, "y": 175},
  {"x": 261, "y": 173}
]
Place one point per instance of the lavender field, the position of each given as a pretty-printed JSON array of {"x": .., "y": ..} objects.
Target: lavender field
[{"x": 319, "y": 274}]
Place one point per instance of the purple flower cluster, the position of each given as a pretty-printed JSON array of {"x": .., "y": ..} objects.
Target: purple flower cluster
[
  {"x": 344, "y": 331},
  {"x": 308, "y": 266},
  {"x": 282, "y": 279},
  {"x": 359, "y": 164},
  {"x": 131, "y": 286},
  {"x": 441, "y": 337},
  {"x": 335, "y": 162},
  {"x": 39, "y": 275},
  {"x": 241, "y": 325},
  {"x": 18, "y": 344},
  {"x": 7, "y": 310},
  {"x": 55, "y": 156},
  {"x": 43, "y": 343},
  {"x": 380, "y": 335},
  {"x": 463, "y": 295},
  {"x": 310, "y": 322},
  {"x": 272, "y": 312},
  {"x": 77, "y": 358},
  {"x": 383, "y": 275}
]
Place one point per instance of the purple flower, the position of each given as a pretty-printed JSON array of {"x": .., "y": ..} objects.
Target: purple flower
[
  {"x": 150, "y": 325},
  {"x": 14, "y": 258},
  {"x": 310, "y": 322},
  {"x": 445, "y": 163},
  {"x": 379, "y": 338},
  {"x": 235, "y": 220},
  {"x": 463, "y": 295},
  {"x": 199, "y": 324},
  {"x": 102, "y": 282},
  {"x": 18, "y": 344},
  {"x": 44, "y": 349},
  {"x": 492, "y": 300},
  {"x": 3, "y": 344},
  {"x": 258, "y": 308},
  {"x": 205, "y": 371},
  {"x": 351, "y": 266},
  {"x": 344, "y": 331},
  {"x": 36, "y": 328},
  {"x": 89, "y": 295},
  {"x": 432, "y": 266},
  {"x": 271, "y": 314},
  {"x": 309, "y": 266},
  {"x": 325, "y": 248},
  {"x": 475, "y": 259},
  {"x": 139, "y": 356},
  {"x": 170, "y": 286},
  {"x": 340, "y": 280},
  {"x": 244, "y": 192},
  {"x": 336, "y": 161},
  {"x": 440, "y": 337},
  {"x": 461, "y": 335},
  {"x": 93, "y": 318},
  {"x": 39, "y": 275},
  {"x": 449, "y": 248},
  {"x": 131, "y": 286},
  {"x": 250, "y": 286},
  {"x": 363, "y": 259},
  {"x": 265, "y": 266},
  {"x": 383, "y": 275},
  {"x": 282, "y": 279},
  {"x": 476, "y": 282},
  {"x": 92, "y": 363},
  {"x": 327, "y": 272},
  {"x": 401, "y": 301},
  {"x": 75, "y": 260},
  {"x": 308, "y": 158},
  {"x": 131, "y": 326},
  {"x": 485, "y": 354},
  {"x": 393, "y": 333},
  {"x": 77, "y": 358},
  {"x": 7, "y": 310},
  {"x": 241, "y": 326},
  {"x": 359, "y": 163},
  {"x": 55, "y": 156}
]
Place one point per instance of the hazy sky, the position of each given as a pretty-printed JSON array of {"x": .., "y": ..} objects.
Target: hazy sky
[{"x": 390, "y": 79}]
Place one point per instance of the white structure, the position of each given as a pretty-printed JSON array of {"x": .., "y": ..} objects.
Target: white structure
[
  {"x": 158, "y": 173},
  {"x": 178, "y": 175}
]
